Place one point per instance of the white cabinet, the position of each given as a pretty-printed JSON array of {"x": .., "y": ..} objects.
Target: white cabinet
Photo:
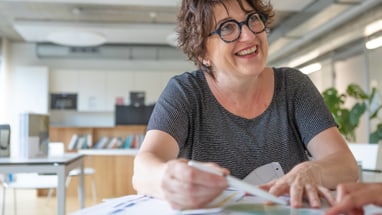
[
  {"x": 91, "y": 91},
  {"x": 63, "y": 81},
  {"x": 148, "y": 82},
  {"x": 118, "y": 84},
  {"x": 98, "y": 90}
]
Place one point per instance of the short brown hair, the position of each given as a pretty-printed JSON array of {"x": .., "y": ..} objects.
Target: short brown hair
[{"x": 195, "y": 24}]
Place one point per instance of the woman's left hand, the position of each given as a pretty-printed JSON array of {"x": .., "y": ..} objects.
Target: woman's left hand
[{"x": 304, "y": 180}]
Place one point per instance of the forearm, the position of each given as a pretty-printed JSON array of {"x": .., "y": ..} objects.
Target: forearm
[
  {"x": 336, "y": 168},
  {"x": 148, "y": 171}
]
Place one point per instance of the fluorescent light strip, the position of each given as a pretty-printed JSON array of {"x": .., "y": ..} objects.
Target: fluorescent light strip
[
  {"x": 311, "y": 68},
  {"x": 373, "y": 27},
  {"x": 303, "y": 59},
  {"x": 374, "y": 43}
]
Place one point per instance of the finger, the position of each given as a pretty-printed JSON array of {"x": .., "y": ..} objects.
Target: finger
[
  {"x": 184, "y": 187},
  {"x": 327, "y": 194},
  {"x": 279, "y": 189},
  {"x": 313, "y": 197},
  {"x": 225, "y": 171},
  {"x": 267, "y": 186},
  {"x": 296, "y": 193},
  {"x": 350, "y": 203},
  {"x": 200, "y": 177},
  {"x": 344, "y": 189},
  {"x": 344, "y": 210}
]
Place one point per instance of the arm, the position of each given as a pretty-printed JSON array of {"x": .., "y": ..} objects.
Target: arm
[
  {"x": 157, "y": 148},
  {"x": 157, "y": 172},
  {"x": 333, "y": 158},
  {"x": 332, "y": 163}
]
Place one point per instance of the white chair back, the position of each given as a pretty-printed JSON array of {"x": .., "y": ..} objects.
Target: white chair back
[{"x": 370, "y": 155}]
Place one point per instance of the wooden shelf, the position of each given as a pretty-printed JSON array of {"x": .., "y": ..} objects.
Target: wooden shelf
[{"x": 108, "y": 152}]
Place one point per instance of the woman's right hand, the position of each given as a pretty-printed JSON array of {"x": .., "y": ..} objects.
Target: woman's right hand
[
  {"x": 185, "y": 187},
  {"x": 352, "y": 197}
]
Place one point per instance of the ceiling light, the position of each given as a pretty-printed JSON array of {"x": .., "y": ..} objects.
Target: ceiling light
[
  {"x": 311, "y": 68},
  {"x": 303, "y": 59},
  {"x": 373, "y": 27},
  {"x": 374, "y": 43},
  {"x": 76, "y": 38}
]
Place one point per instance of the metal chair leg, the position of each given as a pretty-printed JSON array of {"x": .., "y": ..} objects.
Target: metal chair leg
[
  {"x": 3, "y": 207},
  {"x": 14, "y": 202}
]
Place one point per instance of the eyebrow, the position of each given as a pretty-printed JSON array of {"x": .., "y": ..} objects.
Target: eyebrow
[{"x": 230, "y": 18}]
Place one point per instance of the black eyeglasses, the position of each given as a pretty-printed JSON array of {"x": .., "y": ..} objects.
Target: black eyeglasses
[{"x": 230, "y": 30}]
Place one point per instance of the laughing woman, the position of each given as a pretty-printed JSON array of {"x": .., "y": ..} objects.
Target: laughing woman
[{"x": 237, "y": 114}]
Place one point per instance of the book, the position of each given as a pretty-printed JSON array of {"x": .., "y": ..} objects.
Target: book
[
  {"x": 114, "y": 143},
  {"x": 89, "y": 141},
  {"x": 128, "y": 142},
  {"x": 101, "y": 143},
  {"x": 73, "y": 142}
]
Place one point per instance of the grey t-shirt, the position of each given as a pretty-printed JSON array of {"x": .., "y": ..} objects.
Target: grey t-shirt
[{"x": 206, "y": 131}]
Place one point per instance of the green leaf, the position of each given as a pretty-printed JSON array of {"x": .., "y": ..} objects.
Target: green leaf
[
  {"x": 355, "y": 91},
  {"x": 376, "y": 135},
  {"x": 356, "y": 112}
]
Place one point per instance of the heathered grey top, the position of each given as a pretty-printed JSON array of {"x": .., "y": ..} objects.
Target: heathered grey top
[{"x": 206, "y": 131}]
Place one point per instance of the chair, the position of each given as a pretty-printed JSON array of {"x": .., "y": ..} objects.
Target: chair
[
  {"x": 28, "y": 181},
  {"x": 5, "y": 136},
  {"x": 369, "y": 158},
  {"x": 57, "y": 148}
]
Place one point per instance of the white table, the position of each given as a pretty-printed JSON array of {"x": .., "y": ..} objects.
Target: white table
[
  {"x": 138, "y": 204},
  {"x": 60, "y": 165}
]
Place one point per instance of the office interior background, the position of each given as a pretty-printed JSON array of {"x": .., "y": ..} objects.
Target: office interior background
[{"x": 101, "y": 50}]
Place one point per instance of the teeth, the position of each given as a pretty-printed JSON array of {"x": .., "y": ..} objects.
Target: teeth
[{"x": 248, "y": 51}]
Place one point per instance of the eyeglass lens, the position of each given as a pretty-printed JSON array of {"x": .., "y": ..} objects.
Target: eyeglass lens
[{"x": 230, "y": 30}]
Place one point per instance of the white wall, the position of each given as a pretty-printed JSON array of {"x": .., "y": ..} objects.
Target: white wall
[
  {"x": 29, "y": 95},
  {"x": 375, "y": 76},
  {"x": 352, "y": 70},
  {"x": 4, "y": 80}
]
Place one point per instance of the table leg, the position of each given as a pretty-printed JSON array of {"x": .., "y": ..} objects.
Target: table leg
[
  {"x": 81, "y": 185},
  {"x": 61, "y": 191}
]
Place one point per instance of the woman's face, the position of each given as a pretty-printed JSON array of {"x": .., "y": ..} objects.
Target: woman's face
[{"x": 245, "y": 56}]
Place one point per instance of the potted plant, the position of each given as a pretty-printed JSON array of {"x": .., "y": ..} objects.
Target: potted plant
[{"x": 348, "y": 118}]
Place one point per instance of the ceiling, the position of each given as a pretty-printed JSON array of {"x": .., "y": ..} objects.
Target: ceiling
[{"x": 152, "y": 22}]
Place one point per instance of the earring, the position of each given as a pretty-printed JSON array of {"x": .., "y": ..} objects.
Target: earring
[{"x": 206, "y": 63}]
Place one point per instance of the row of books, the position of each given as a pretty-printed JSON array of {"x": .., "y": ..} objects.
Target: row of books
[
  {"x": 131, "y": 141},
  {"x": 84, "y": 141}
]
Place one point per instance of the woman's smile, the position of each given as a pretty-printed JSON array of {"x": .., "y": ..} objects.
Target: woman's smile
[{"x": 248, "y": 51}]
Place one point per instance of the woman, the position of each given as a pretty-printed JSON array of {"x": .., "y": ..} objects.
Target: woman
[{"x": 238, "y": 114}]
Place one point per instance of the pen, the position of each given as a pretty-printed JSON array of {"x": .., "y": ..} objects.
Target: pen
[{"x": 237, "y": 183}]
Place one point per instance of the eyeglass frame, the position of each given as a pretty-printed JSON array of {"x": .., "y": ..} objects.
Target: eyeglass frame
[{"x": 262, "y": 17}]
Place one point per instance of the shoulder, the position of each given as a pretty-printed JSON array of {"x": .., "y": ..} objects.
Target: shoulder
[
  {"x": 290, "y": 73},
  {"x": 291, "y": 77},
  {"x": 187, "y": 81},
  {"x": 185, "y": 85}
]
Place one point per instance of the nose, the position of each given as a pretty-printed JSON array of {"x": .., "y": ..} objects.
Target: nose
[{"x": 246, "y": 34}]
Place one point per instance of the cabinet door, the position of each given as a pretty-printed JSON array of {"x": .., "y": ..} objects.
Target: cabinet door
[
  {"x": 63, "y": 81},
  {"x": 91, "y": 94},
  {"x": 150, "y": 82},
  {"x": 118, "y": 84}
]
